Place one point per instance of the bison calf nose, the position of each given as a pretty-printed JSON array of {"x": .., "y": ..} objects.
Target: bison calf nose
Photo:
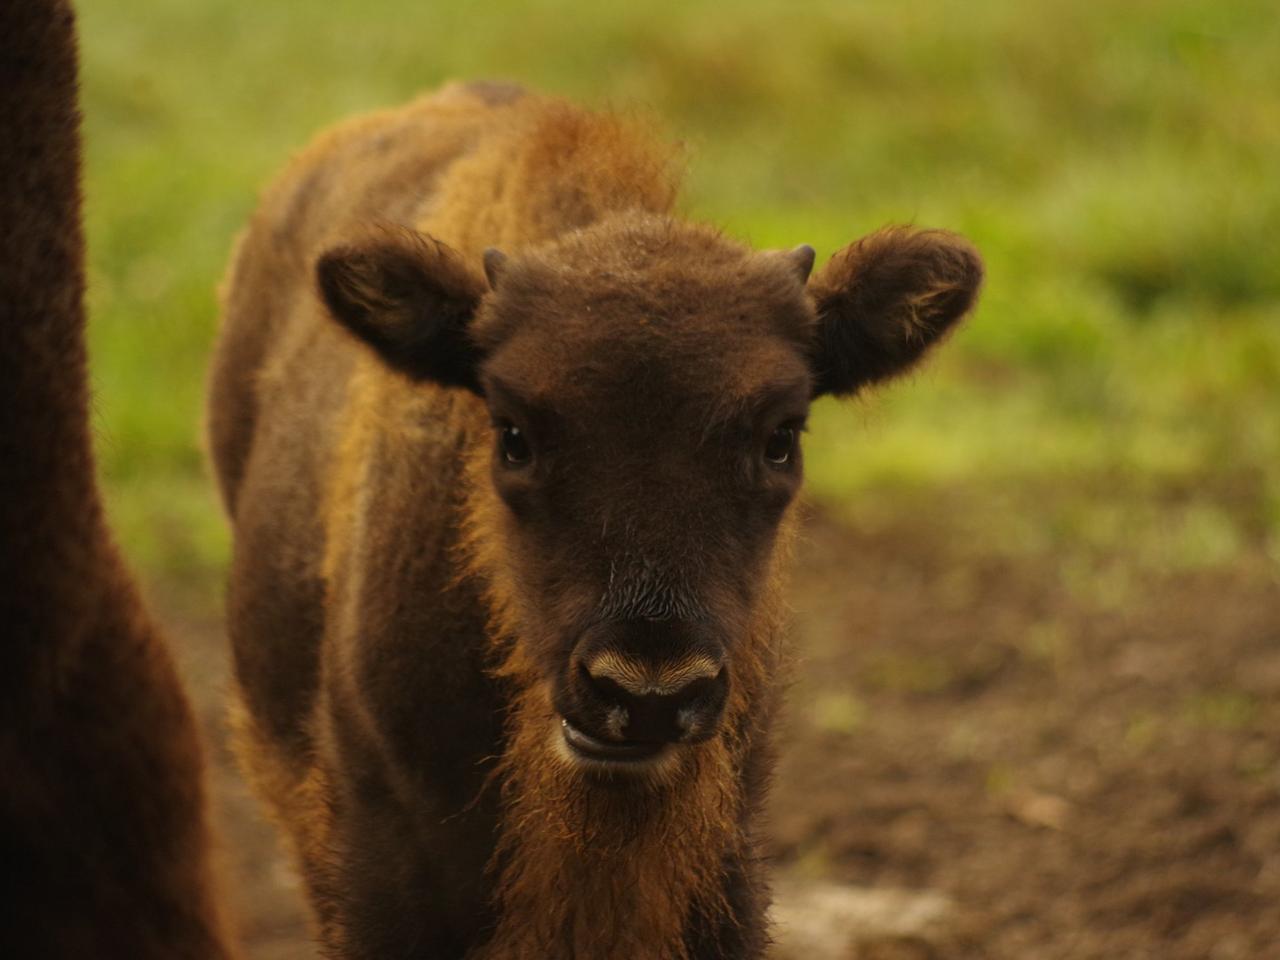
[{"x": 665, "y": 702}]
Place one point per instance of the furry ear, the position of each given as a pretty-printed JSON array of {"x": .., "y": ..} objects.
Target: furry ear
[
  {"x": 409, "y": 297},
  {"x": 883, "y": 301}
]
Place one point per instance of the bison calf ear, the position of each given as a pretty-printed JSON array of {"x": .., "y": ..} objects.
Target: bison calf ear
[
  {"x": 883, "y": 301},
  {"x": 409, "y": 297}
]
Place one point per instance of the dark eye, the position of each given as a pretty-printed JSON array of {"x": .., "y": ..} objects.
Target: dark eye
[
  {"x": 514, "y": 445},
  {"x": 780, "y": 446}
]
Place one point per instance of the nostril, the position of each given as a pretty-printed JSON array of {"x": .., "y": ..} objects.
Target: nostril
[
  {"x": 602, "y": 685},
  {"x": 695, "y": 689}
]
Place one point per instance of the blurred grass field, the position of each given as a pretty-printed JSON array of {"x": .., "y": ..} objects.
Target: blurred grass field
[{"x": 1116, "y": 397}]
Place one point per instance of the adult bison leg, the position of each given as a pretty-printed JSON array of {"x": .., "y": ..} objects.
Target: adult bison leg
[{"x": 102, "y": 829}]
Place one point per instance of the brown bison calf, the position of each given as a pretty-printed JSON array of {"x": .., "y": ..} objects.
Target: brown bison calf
[{"x": 511, "y": 453}]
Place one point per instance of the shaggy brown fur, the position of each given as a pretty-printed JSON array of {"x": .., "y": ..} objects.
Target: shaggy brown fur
[
  {"x": 102, "y": 833},
  {"x": 506, "y": 600}
]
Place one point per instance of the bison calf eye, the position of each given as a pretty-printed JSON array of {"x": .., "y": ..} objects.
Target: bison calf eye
[
  {"x": 514, "y": 445},
  {"x": 780, "y": 446}
]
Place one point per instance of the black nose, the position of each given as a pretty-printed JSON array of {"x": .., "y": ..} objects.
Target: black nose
[
  {"x": 659, "y": 691},
  {"x": 674, "y": 702}
]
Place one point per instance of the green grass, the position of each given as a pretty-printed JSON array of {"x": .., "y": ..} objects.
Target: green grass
[{"x": 1118, "y": 392}]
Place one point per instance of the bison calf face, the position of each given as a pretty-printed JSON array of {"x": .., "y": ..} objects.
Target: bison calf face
[
  {"x": 636, "y": 513},
  {"x": 646, "y": 382}
]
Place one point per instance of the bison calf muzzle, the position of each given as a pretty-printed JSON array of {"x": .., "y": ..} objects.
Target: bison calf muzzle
[{"x": 637, "y": 686}]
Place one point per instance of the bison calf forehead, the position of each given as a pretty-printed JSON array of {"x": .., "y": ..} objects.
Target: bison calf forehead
[
  {"x": 645, "y": 307},
  {"x": 652, "y": 386}
]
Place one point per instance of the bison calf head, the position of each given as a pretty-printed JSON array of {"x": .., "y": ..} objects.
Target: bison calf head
[{"x": 647, "y": 383}]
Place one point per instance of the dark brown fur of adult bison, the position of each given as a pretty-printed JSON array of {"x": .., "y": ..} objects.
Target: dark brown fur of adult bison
[{"x": 104, "y": 850}]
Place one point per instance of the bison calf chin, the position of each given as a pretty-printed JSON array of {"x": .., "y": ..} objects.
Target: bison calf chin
[{"x": 511, "y": 455}]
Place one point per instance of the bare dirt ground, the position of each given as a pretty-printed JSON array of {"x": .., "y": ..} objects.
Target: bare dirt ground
[{"x": 1073, "y": 778}]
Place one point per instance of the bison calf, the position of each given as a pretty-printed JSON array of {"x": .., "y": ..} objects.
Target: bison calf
[{"x": 511, "y": 454}]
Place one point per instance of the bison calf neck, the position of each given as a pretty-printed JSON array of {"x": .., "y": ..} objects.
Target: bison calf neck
[{"x": 510, "y": 453}]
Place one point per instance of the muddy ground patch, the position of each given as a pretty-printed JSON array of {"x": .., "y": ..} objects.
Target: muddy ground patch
[{"x": 1078, "y": 776}]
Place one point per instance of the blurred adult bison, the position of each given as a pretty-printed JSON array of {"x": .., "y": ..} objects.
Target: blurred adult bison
[
  {"x": 506, "y": 598},
  {"x": 103, "y": 837}
]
